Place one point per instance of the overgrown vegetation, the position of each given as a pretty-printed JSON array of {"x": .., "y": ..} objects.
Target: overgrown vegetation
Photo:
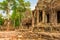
[
  {"x": 18, "y": 8},
  {"x": 1, "y": 20}
]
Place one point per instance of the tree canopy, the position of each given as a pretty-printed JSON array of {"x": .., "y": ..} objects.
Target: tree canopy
[{"x": 18, "y": 7}]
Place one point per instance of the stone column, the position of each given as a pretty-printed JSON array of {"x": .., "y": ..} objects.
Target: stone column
[
  {"x": 37, "y": 16},
  {"x": 55, "y": 17},
  {"x": 51, "y": 17},
  {"x": 32, "y": 19},
  {"x": 43, "y": 16}
]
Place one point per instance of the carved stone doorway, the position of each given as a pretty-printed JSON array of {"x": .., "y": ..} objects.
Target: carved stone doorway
[
  {"x": 58, "y": 16},
  {"x": 40, "y": 15}
]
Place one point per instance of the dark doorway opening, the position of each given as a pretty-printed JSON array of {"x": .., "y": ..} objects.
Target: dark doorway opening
[
  {"x": 48, "y": 18},
  {"x": 58, "y": 16},
  {"x": 40, "y": 15}
]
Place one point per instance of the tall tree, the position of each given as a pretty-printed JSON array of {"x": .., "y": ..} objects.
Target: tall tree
[
  {"x": 5, "y": 6},
  {"x": 22, "y": 8},
  {"x": 18, "y": 7},
  {"x": 1, "y": 20}
]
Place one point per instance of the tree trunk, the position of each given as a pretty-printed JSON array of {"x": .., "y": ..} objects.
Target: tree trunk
[
  {"x": 8, "y": 22},
  {"x": 14, "y": 23},
  {"x": 7, "y": 12},
  {"x": 19, "y": 21}
]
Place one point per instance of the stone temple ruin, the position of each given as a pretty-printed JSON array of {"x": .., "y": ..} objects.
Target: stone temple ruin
[
  {"x": 46, "y": 20},
  {"x": 46, "y": 15},
  {"x": 44, "y": 23}
]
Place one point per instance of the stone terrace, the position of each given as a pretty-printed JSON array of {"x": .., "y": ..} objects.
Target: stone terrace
[{"x": 13, "y": 35}]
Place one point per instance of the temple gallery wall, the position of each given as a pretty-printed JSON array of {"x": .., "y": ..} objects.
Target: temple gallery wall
[
  {"x": 46, "y": 16},
  {"x": 44, "y": 23}
]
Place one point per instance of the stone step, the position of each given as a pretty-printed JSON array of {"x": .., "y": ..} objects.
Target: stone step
[
  {"x": 41, "y": 35},
  {"x": 4, "y": 38}
]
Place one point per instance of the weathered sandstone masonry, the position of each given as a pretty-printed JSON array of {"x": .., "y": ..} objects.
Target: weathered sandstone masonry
[{"x": 47, "y": 14}]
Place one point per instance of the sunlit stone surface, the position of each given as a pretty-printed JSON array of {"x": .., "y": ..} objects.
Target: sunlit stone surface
[{"x": 44, "y": 24}]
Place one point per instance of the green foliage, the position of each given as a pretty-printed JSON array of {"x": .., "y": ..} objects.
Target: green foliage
[
  {"x": 13, "y": 15},
  {"x": 3, "y": 5},
  {"x": 17, "y": 22},
  {"x": 18, "y": 7},
  {"x": 1, "y": 20}
]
